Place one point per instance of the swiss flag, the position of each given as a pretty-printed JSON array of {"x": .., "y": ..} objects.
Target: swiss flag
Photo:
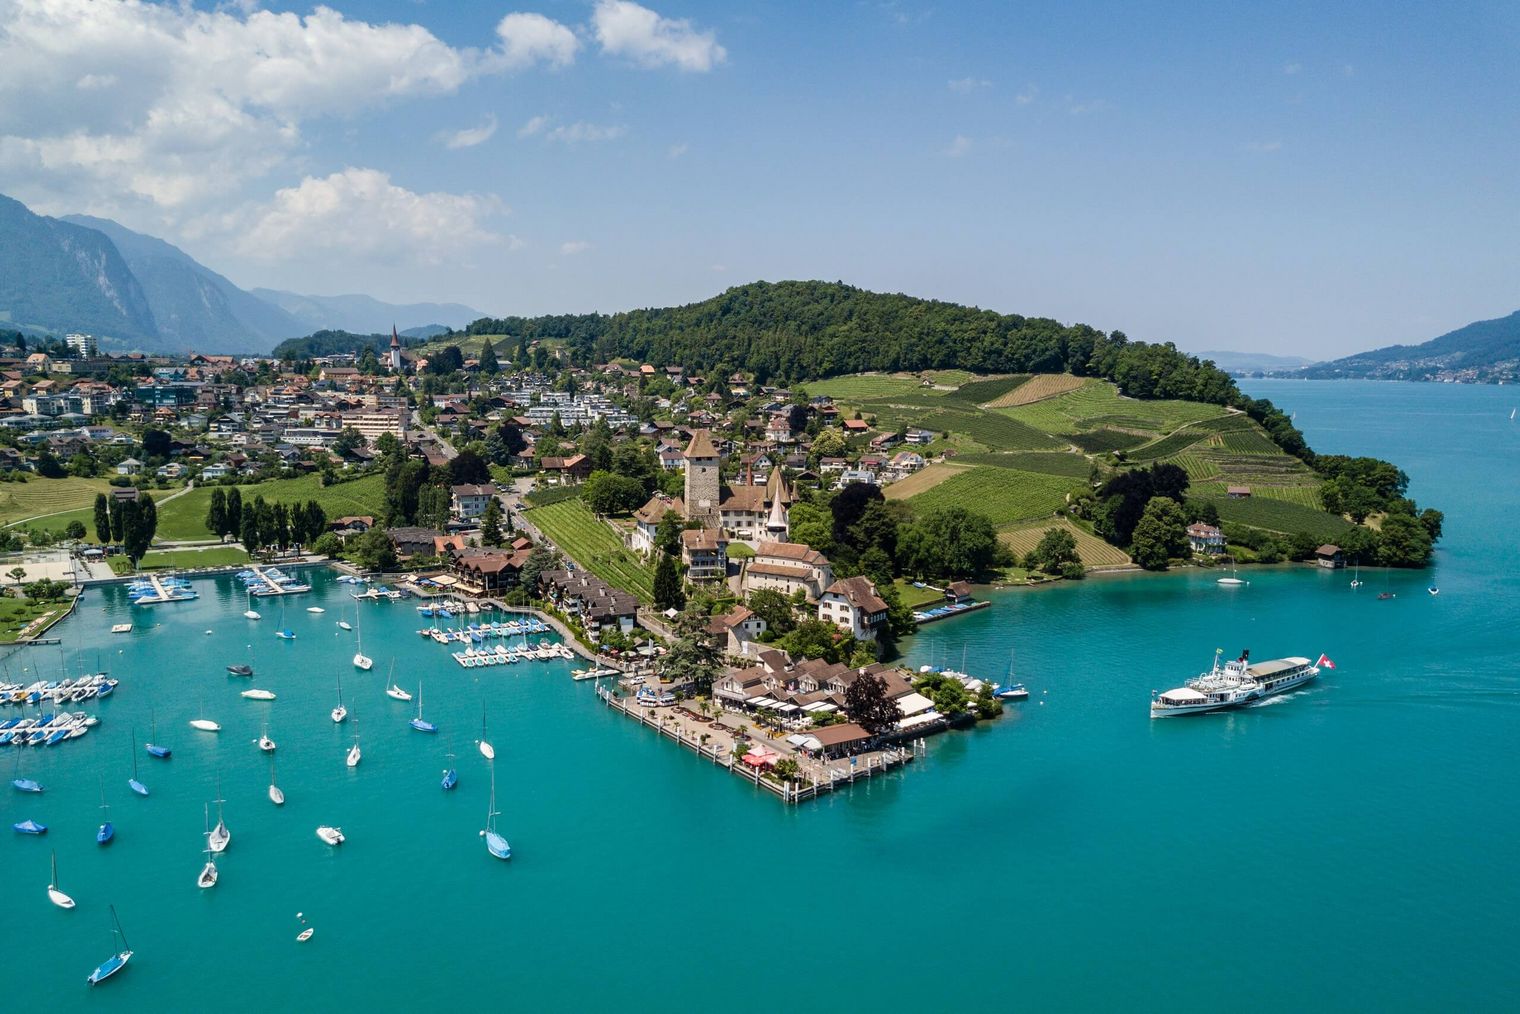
[{"x": 1324, "y": 662}]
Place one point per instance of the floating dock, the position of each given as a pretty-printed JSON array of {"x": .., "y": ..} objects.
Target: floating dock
[
  {"x": 152, "y": 590},
  {"x": 264, "y": 582}
]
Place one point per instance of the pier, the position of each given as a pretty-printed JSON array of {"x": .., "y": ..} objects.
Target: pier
[
  {"x": 817, "y": 777},
  {"x": 264, "y": 582}
]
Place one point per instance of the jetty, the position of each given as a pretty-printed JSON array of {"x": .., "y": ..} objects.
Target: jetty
[
  {"x": 817, "y": 777},
  {"x": 152, "y": 590},
  {"x": 68, "y": 691},
  {"x": 46, "y": 730},
  {"x": 264, "y": 582}
]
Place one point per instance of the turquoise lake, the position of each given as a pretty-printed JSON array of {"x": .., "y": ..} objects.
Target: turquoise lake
[{"x": 1352, "y": 846}]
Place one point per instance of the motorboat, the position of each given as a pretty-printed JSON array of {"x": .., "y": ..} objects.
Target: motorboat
[
  {"x": 205, "y": 725},
  {"x": 315, "y": 609},
  {"x": 252, "y": 614},
  {"x": 258, "y": 695},
  {"x": 240, "y": 670},
  {"x": 330, "y": 835},
  {"x": 304, "y": 935}
]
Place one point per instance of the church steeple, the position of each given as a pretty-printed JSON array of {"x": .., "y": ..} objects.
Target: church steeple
[{"x": 395, "y": 356}]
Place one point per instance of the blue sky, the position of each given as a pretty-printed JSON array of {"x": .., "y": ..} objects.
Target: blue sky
[{"x": 1306, "y": 179}]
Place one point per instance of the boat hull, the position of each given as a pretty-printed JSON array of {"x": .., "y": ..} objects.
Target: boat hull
[{"x": 109, "y": 967}]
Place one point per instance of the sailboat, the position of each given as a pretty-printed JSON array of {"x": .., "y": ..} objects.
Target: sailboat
[
  {"x": 250, "y": 612},
  {"x": 56, "y": 896},
  {"x": 450, "y": 775},
  {"x": 340, "y": 712},
  {"x": 132, "y": 783},
  {"x": 394, "y": 692},
  {"x": 203, "y": 723},
  {"x": 353, "y": 751},
  {"x": 276, "y": 794},
  {"x": 495, "y": 843},
  {"x": 208, "y": 875},
  {"x": 1511, "y": 415},
  {"x": 107, "y": 831},
  {"x": 284, "y": 632},
  {"x": 486, "y": 749},
  {"x": 1012, "y": 691},
  {"x": 345, "y": 625},
  {"x": 155, "y": 749},
  {"x": 24, "y": 784},
  {"x": 1356, "y": 577},
  {"x": 219, "y": 837},
  {"x": 419, "y": 723},
  {"x": 115, "y": 962},
  {"x": 1233, "y": 580},
  {"x": 265, "y": 743},
  {"x": 361, "y": 660}
]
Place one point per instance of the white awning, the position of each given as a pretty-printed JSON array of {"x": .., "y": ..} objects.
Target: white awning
[
  {"x": 917, "y": 720},
  {"x": 821, "y": 707},
  {"x": 1184, "y": 694},
  {"x": 913, "y": 704},
  {"x": 786, "y": 708},
  {"x": 810, "y": 743},
  {"x": 761, "y": 702}
]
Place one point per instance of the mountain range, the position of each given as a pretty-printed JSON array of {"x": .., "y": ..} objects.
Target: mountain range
[
  {"x": 1485, "y": 351},
  {"x": 1245, "y": 363},
  {"x": 138, "y": 292}
]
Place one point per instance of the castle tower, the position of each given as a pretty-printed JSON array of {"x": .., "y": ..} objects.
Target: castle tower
[
  {"x": 395, "y": 355},
  {"x": 703, "y": 480},
  {"x": 777, "y": 522}
]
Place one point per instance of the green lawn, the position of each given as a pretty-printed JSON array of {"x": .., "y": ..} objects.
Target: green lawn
[
  {"x": 20, "y": 500},
  {"x": 183, "y": 559},
  {"x": 185, "y": 517},
  {"x": 16, "y": 613},
  {"x": 572, "y": 527},
  {"x": 916, "y": 598},
  {"x": 1004, "y": 495}
]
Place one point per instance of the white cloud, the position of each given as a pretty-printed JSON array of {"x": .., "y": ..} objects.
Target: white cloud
[
  {"x": 360, "y": 214},
  {"x": 1079, "y": 107},
  {"x": 1292, "y": 68},
  {"x": 677, "y": 150},
  {"x": 1027, "y": 94},
  {"x": 470, "y": 136},
  {"x": 120, "y": 104},
  {"x": 530, "y": 38},
  {"x": 571, "y": 247},
  {"x": 960, "y": 147},
  {"x": 533, "y": 126},
  {"x": 967, "y": 85},
  {"x": 576, "y": 133},
  {"x": 626, "y": 29}
]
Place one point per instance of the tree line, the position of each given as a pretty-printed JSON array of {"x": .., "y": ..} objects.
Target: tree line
[
  {"x": 128, "y": 523},
  {"x": 259, "y": 524}
]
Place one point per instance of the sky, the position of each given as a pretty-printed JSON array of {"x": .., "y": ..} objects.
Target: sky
[{"x": 1303, "y": 179}]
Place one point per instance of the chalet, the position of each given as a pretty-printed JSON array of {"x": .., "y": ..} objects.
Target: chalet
[
  {"x": 128, "y": 466},
  {"x": 593, "y": 601},
  {"x": 853, "y": 605},
  {"x": 739, "y": 629},
  {"x": 853, "y": 426},
  {"x": 352, "y": 524},
  {"x": 836, "y": 740},
  {"x": 566, "y": 470},
  {"x": 469, "y": 501},
  {"x": 1330, "y": 557},
  {"x": 1206, "y": 540},
  {"x": 704, "y": 552},
  {"x": 646, "y": 520},
  {"x": 484, "y": 570}
]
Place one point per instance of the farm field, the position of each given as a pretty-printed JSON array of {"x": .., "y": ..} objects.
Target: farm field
[
  {"x": 1073, "y": 466},
  {"x": 1038, "y": 388},
  {"x": 1093, "y": 550},
  {"x": 572, "y": 527},
  {"x": 1004, "y": 495},
  {"x": 857, "y": 386},
  {"x": 1098, "y": 404},
  {"x": 1280, "y": 516},
  {"x": 185, "y": 517},
  {"x": 924, "y": 479},
  {"x": 21, "y": 500}
]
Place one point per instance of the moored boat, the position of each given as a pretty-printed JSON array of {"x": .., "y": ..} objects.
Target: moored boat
[
  {"x": 331, "y": 835},
  {"x": 115, "y": 962}
]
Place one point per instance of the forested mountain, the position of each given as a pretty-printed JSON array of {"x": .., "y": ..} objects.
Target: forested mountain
[
  {"x": 331, "y": 343},
  {"x": 789, "y": 332},
  {"x": 58, "y": 276},
  {"x": 364, "y": 314},
  {"x": 194, "y": 306},
  {"x": 1487, "y": 351},
  {"x": 1245, "y": 363}
]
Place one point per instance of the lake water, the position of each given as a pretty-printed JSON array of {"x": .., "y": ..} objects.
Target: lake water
[{"x": 1352, "y": 846}]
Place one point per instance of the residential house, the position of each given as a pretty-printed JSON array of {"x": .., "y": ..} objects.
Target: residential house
[
  {"x": 853, "y": 605},
  {"x": 566, "y": 470},
  {"x": 788, "y": 567},
  {"x": 646, "y": 520},
  {"x": 704, "y": 552},
  {"x": 482, "y": 571},
  {"x": 128, "y": 466},
  {"x": 739, "y": 629},
  {"x": 1205, "y": 539},
  {"x": 1330, "y": 557},
  {"x": 469, "y": 501}
]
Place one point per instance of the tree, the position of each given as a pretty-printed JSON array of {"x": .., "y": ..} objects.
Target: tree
[
  {"x": 102, "y": 519},
  {"x": 434, "y": 507},
  {"x": 315, "y": 523},
  {"x": 950, "y": 542},
  {"x": 139, "y": 525},
  {"x": 248, "y": 530},
  {"x": 692, "y": 658},
  {"x": 234, "y": 515},
  {"x": 811, "y": 526},
  {"x": 445, "y": 361},
  {"x": 1160, "y": 534},
  {"x": 1056, "y": 548},
  {"x": 373, "y": 551},
  {"x": 773, "y": 607},
  {"x": 667, "y": 536},
  {"x": 469, "y": 468},
  {"x": 668, "y": 593},
  {"x": 849, "y": 505},
  {"x": 47, "y": 465},
  {"x": 280, "y": 515},
  {"x": 1403, "y": 542},
  {"x": 348, "y": 441},
  {"x": 635, "y": 460},
  {"x": 538, "y": 561},
  {"x": 156, "y": 444},
  {"x": 16, "y": 574},
  {"x": 490, "y": 522},
  {"x": 815, "y": 638},
  {"x": 488, "y": 364},
  {"x": 831, "y": 443},
  {"x": 503, "y": 442},
  {"x": 609, "y": 493},
  {"x": 867, "y": 704},
  {"x": 328, "y": 544},
  {"x": 74, "y": 530},
  {"x": 216, "y": 512},
  {"x": 117, "y": 516}
]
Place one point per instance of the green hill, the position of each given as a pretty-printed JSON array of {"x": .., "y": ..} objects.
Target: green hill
[{"x": 1484, "y": 351}]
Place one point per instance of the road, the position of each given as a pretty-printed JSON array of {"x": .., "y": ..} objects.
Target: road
[{"x": 435, "y": 436}]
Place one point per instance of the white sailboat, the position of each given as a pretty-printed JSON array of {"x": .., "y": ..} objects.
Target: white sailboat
[
  {"x": 203, "y": 723},
  {"x": 219, "y": 837},
  {"x": 208, "y": 875},
  {"x": 340, "y": 712},
  {"x": 276, "y": 794},
  {"x": 392, "y": 691},
  {"x": 1233, "y": 580},
  {"x": 250, "y": 612},
  {"x": 486, "y": 749},
  {"x": 258, "y": 695},
  {"x": 265, "y": 743},
  {"x": 56, "y": 896},
  {"x": 361, "y": 660},
  {"x": 353, "y": 752}
]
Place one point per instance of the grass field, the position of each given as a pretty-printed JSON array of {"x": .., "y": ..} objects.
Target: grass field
[
  {"x": 20, "y": 500},
  {"x": 1280, "y": 516},
  {"x": 1038, "y": 388},
  {"x": 1098, "y": 404},
  {"x": 1093, "y": 550},
  {"x": 16, "y": 613},
  {"x": 858, "y": 386},
  {"x": 592, "y": 544},
  {"x": 182, "y": 559},
  {"x": 1004, "y": 495},
  {"x": 185, "y": 517},
  {"x": 1073, "y": 466},
  {"x": 924, "y": 479},
  {"x": 915, "y": 598}
]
